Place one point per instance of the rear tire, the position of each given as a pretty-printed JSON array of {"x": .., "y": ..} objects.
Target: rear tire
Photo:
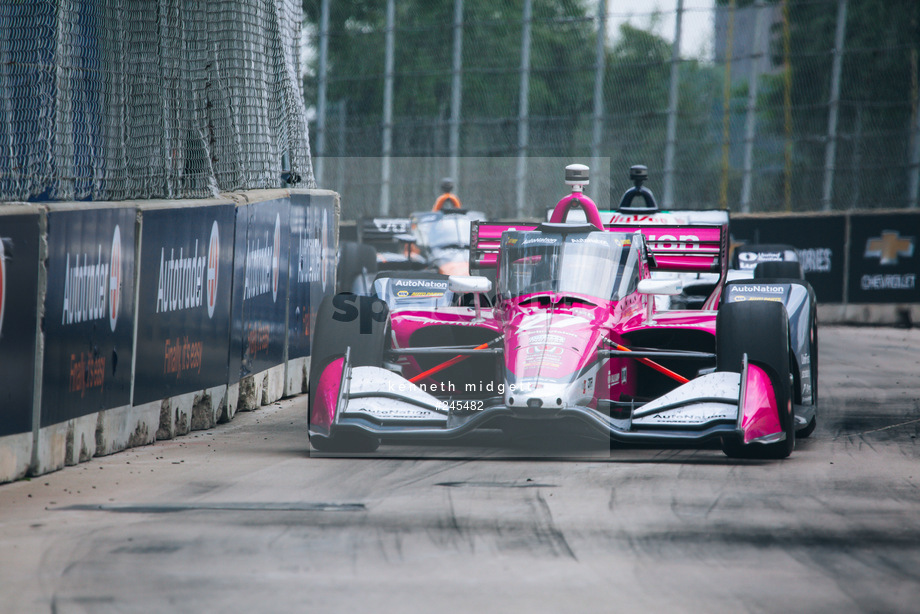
[
  {"x": 809, "y": 428},
  {"x": 331, "y": 338},
  {"x": 759, "y": 329},
  {"x": 813, "y": 364}
]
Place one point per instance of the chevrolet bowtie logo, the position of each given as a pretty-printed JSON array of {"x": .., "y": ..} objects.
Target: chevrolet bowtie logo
[{"x": 889, "y": 247}]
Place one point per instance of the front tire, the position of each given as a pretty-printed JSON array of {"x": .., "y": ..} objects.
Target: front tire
[
  {"x": 336, "y": 331},
  {"x": 759, "y": 329},
  {"x": 357, "y": 264}
]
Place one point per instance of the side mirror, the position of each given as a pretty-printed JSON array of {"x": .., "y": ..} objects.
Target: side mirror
[
  {"x": 406, "y": 243},
  {"x": 405, "y": 238},
  {"x": 471, "y": 283},
  {"x": 476, "y": 284},
  {"x": 670, "y": 287}
]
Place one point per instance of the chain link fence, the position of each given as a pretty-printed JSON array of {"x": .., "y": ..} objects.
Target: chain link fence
[
  {"x": 751, "y": 106},
  {"x": 125, "y": 99}
]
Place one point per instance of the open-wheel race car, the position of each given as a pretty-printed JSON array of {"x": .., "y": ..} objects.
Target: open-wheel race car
[
  {"x": 435, "y": 241},
  {"x": 570, "y": 338}
]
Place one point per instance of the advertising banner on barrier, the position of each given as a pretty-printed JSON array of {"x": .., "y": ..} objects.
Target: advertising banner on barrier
[
  {"x": 183, "y": 308},
  {"x": 819, "y": 241},
  {"x": 312, "y": 265},
  {"x": 884, "y": 258},
  {"x": 262, "y": 246},
  {"x": 89, "y": 312},
  {"x": 19, "y": 240},
  {"x": 235, "y": 358}
]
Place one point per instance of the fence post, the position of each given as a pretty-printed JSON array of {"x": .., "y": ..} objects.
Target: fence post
[
  {"x": 342, "y": 123},
  {"x": 830, "y": 151},
  {"x": 598, "y": 120},
  {"x": 523, "y": 109},
  {"x": 913, "y": 169},
  {"x": 787, "y": 108},
  {"x": 750, "y": 119},
  {"x": 387, "y": 110},
  {"x": 727, "y": 106},
  {"x": 321, "y": 92},
  {"x": 456, "y": 91},
  {"x": 673, "y": 101}
]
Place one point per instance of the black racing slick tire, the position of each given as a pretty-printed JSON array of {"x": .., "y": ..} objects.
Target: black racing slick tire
[
  {"x": 356, "y": 261},
  {"x": 808, "y": 430},
  {"x": 759, "y": 329},
  {"x": 813, "y": 365},
  {"x": 347, "y": 321}
]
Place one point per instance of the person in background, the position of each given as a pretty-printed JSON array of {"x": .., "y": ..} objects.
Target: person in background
[{"x": 447, "y": 198}]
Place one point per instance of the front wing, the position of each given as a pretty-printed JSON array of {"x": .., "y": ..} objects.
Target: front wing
[{"x": 383, "y": 404}]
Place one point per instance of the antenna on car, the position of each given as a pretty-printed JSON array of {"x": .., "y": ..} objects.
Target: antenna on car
[
  {"x": 576, "y": 175},
  {"x": 638, "y": 174}
]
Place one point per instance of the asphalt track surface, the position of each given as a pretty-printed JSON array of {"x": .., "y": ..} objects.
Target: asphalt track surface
[{"x": 242, "y": 519}]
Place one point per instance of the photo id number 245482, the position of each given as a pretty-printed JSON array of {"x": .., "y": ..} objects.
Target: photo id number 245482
[{"x": 455, "y": 405}]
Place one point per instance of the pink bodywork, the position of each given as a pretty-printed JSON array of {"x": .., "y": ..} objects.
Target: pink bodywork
[
  {"x": 406, "y": 323},
  {"x": 759, "y": 410},
  {"x": 554, "y": 342},
  {"x": 680, "y": 248},
  {"x": 562, "y": 339},
  {"x": 577, "y": 200},
  {"x": 322, "y": 413}
]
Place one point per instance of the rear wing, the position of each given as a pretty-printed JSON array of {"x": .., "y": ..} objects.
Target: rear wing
[
  {"x": 612, "y": 216},
  {"x": 683, "y": 248},
  {"x": 382, "y": 229},
  {"x": 678, "y": 248}
]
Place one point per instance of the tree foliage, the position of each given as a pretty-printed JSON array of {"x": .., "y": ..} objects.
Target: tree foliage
[
  {"x": 877, "y": 98},
  {"x": 563, "y": 50},
  {"x": 423, "y": 52},
  {"x": 877, "y": 104}
]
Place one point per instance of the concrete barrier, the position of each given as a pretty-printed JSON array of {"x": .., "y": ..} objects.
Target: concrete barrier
[
  {"x": 863, "y": 265},
  {"x": 22, "y": 275},
  {"x": 160, "y": 317}
]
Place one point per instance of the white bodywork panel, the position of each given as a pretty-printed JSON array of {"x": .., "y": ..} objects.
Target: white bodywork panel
[
  {"x": 377, "y": 380},
  {"x": 725, "y": 385}
]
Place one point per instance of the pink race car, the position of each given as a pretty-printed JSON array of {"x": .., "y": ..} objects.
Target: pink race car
[{"x": 570, "y": 339}]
